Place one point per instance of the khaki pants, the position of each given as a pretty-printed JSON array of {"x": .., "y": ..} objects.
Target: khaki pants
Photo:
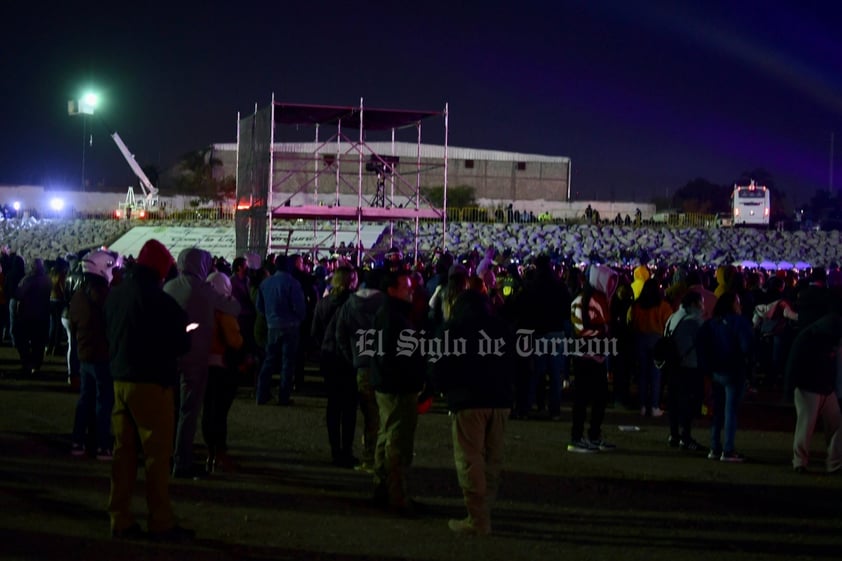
[
  {"x": 371, "y": 415},
  {"x": 395, "y": 445},
  {"x": 144, "y": 410},
  {"x": 478, "y": 455},
  {"x": 809, "y": 406}
]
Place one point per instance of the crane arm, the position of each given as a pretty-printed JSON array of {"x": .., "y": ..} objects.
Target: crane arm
[{"x": 149, "y": 190}]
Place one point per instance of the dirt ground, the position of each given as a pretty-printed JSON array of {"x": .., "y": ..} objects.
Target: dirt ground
[{"x": 642, "y": 501}]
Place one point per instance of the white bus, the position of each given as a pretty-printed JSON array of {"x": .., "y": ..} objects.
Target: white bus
[{"x": 750, "y": 205}]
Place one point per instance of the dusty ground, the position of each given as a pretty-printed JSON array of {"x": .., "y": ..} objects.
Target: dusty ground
[{"x": 643, "y": 501}]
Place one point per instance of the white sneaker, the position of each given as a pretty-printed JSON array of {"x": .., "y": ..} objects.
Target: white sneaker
[{"x": 656, "y": 412}]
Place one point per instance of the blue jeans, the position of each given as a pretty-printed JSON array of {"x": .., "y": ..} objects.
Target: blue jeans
[
  {"x": 555, "y": 366},
  {"x": 191, "y": 397},
  {"x": 96, "y": 400},
  {"x": 649, "y": 375},
  {"x": 727, "y": 394},
  {"x": 281, "y": 351}
]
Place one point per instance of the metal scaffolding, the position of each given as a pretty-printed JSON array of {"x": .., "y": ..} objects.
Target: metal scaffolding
[{"x": 265, "y": 189}]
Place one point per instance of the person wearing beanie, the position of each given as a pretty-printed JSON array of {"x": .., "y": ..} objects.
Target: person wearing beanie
[
  {"x": 157, "y": 257},
  {"x": 147, "y": 332}
]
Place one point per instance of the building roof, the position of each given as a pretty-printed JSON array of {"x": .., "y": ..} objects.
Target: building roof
[
  {"x": 409, "y": 151},
  {"x": 351, "y": 117}
]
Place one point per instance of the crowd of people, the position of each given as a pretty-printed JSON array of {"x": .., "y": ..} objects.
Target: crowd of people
[{"x": 496, "y": 338}]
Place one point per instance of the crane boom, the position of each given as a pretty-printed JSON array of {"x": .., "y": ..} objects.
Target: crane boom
[{"x": 150, "y": 192}]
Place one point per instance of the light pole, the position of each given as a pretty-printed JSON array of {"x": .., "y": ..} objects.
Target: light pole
[{"x": 84, "y": 106}]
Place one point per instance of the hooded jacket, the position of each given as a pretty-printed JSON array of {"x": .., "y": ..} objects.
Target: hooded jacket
[
  {"x": 357, "y": 313},
  {"x": 595, "y": 320},
  {"x": 33, "y": 294},
  {"x": 812, "y": 362},
  {"x": 146, "y": 330},
  {"x": 641, "y": 275},
  {"x": 199, "y": 300},
  {"x": 477, "y": 378}
]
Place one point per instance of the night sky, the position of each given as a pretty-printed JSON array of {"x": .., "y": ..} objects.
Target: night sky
[{"x": 642, "y": 96}]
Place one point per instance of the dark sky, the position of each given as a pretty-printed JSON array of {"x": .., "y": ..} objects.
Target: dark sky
[{"x": 642, "y": 96}]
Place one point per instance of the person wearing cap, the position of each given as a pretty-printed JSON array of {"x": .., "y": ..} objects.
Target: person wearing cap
[
  {"x": 86, "y": 313},
  {"x": 147, "y": 332}
]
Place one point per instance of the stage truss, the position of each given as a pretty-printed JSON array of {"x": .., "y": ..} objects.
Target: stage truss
[{"x": 268, "y": 179}]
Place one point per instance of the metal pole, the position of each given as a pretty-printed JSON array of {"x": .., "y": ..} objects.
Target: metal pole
[
  {"x": 360, "y": 191},
  {"x": 84, "y": 138},
  {"x": 569, "y": 176},
  {"x": 417, "y": 183},
  {"x": 271, "y": 172},
  {"x": 338, "y": 163},
  {"x": 392, "y": 196},
  {"x": 832, "y": 138},
  {"x": 316, "y": 180},
  {"x": 444, "y": 196}
]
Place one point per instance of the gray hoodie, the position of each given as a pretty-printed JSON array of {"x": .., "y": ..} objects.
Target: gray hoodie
[
  {"x": 200, "y": 301},
  {"x": 356, "y": 314}
]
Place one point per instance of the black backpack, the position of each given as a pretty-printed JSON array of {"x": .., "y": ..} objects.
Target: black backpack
[{"x": 665, "y": 353}]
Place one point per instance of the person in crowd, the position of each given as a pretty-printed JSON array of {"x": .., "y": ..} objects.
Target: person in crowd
[
  {"x": 485, "y": 268},
  {"x": 545, "y": 303},
  {"x": 300, "y": 271},
  {"x": 281, "y": 301},
  {"x": 647, "y": 318},
  {"x": 32, "y": 317},
  {"x": 147, "y": 332},
  {"x": 724, "y": 349},
  {"x": 223, "y": 362},
  {"x": 686, "y": 383},
  {"x": 339, "y": 375},
  {"x": 200, "y": 301},
  {"x": 591, "y": 317},
  {"x": 397, "y": 380},
  {"x": 87, "y": 327},
  {"x": 723, "y": 279},
  {"x": 59, "y": 299},
  {"x": 5, "y": 292},
  {"x": 814, "y": 299},
  {"x": 72, "y": 282},
  {"x": 622, "y": 365},
  {"x": 773, "y": 322},
  {"x": 640, "y": 274},
  {"x": 811, "y": 370},
  {"x": 354, "y": 318},
  {"x": 241, "y": 292},
  {"x": 478, "y": 388},
  {"x": 695, "y": 283}
]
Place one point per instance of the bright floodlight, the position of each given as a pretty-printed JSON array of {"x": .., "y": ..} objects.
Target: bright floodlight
[
  {"x": 88, "y": 103},
  {"x": 16, "y": 205},
  {"x": 56, "y": 204}
]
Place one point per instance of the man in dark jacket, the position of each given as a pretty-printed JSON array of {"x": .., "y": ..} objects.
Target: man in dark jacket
[
  {"x": 147, "y": 332},
  {"x": 354, "y": 318},
  {"x": 281, "y": 300},
  {"x": 478, "y": 384},
  {"x": 32, "y": 317},
  {"x": 397, "y": 377},
  {"x": 811, "y": 372},
  {"x": 87, "y": 331}
]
